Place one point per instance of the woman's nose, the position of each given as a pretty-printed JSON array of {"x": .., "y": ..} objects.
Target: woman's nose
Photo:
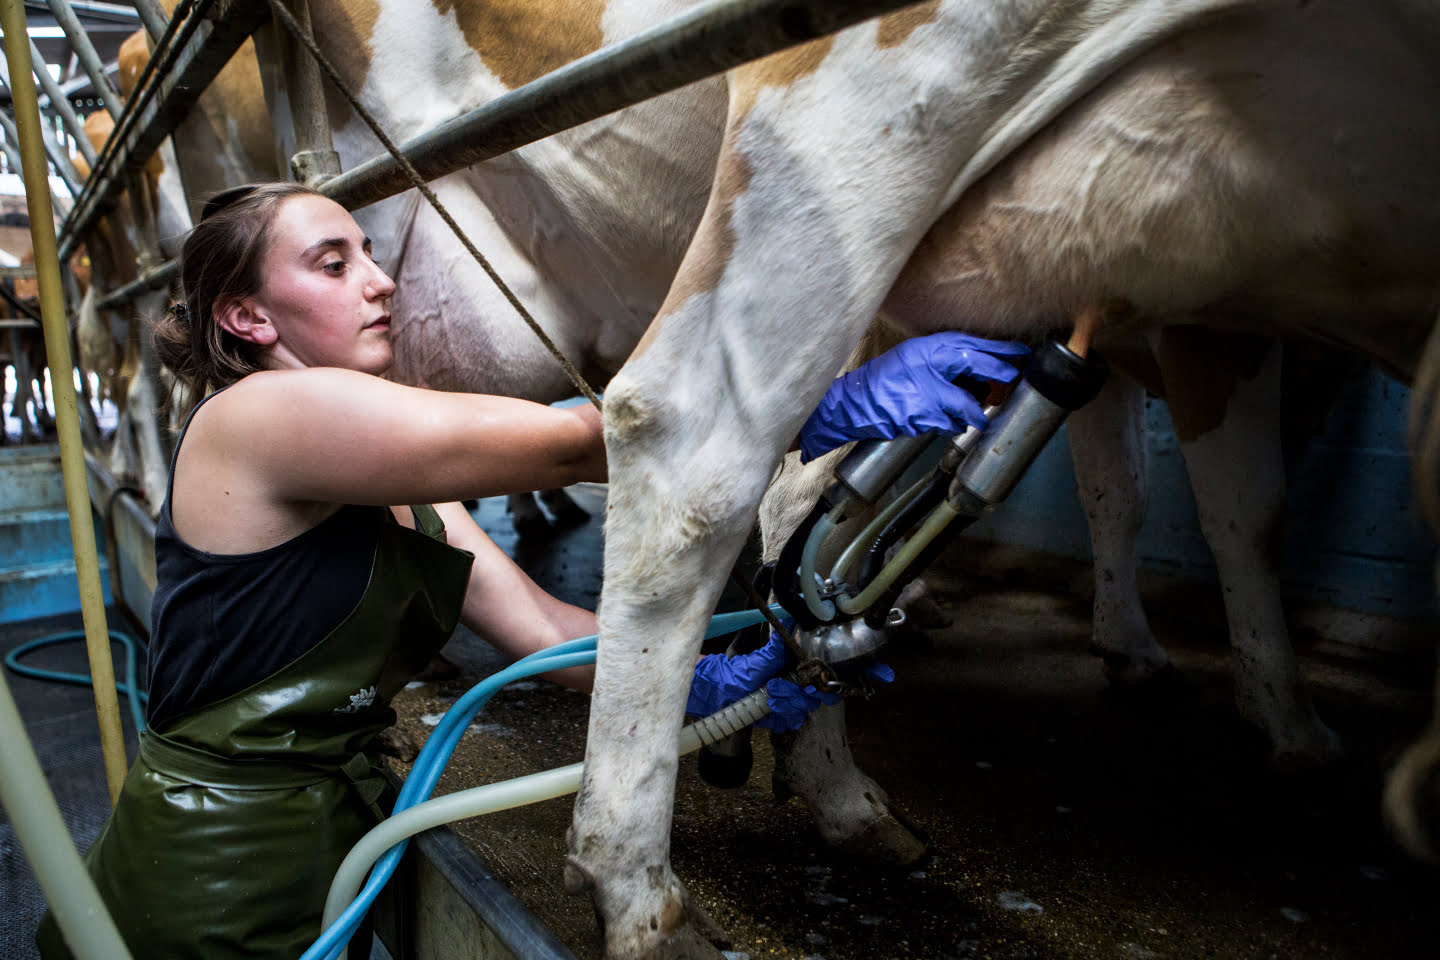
[{"x": 381, "y": 285}]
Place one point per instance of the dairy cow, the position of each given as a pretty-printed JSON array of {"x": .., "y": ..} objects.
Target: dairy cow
[{"x": 1262, "y": 168}]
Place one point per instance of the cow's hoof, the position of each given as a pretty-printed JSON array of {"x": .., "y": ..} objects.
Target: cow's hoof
[
  {"x": 687, "y": 943},
  {"x": 1412, "y": 798},
  {"x": 885, "y": 840},
  {"x": 1142, "y": 682}
]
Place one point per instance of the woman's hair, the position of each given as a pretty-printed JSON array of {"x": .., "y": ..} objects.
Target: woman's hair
[{"x": 220, "y": 261}]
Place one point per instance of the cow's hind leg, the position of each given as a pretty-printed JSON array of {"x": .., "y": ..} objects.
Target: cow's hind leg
[
  {"x": 564, "y": 511},
  {"x": 1231, "y": 442},
  {"x": 679, "y": 511},
  {"x": 1107, "y": 445},
  {"x": 849, "y": 809},
  {"x": 1412, "y": 787},
  {"x": 786, "y": 270}
]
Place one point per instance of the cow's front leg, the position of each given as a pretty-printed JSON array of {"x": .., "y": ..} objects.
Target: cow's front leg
[{"x": 820, "y": 195}]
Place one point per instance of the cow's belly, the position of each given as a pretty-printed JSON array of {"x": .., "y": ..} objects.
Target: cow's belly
[{"x": 1235, "y": 176}]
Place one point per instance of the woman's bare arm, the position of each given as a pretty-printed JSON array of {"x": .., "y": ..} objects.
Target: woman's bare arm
[
  {"x": 506, "y": 608},
  {"x": 338, "y": 436}
]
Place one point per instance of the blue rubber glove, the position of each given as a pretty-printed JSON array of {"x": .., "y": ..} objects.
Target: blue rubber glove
[
  {"x": 907, "y": 391},
  {"x": 720, "y": 680},
  {"x": 791, "y": 704}
]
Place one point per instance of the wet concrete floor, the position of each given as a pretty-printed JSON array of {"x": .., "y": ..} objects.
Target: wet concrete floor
[{"x": 1061, "y": 820}]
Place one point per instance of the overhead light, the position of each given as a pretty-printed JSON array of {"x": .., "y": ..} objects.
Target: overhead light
[{"x": 52, "y": 32}]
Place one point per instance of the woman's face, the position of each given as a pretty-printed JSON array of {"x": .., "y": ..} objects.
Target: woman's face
[{"x": 327, "y": 300}]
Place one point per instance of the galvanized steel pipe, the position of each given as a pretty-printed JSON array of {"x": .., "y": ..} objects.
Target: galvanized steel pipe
[
  {"x": 67, "y": 419},
  {"x": 61, "y": 161},
  {"x": 61, "y": 104},
  {"x": 184, "y": 64},
  {"x": 152, "y": 17},
  {"x": 85, "y": 51}
]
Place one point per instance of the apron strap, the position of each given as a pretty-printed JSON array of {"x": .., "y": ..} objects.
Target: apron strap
[
  {"x": 206, "y": 769},
  {"x": 368, "y": 782}
]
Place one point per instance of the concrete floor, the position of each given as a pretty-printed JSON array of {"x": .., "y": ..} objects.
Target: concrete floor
[{"x": 1062, "y": 820}]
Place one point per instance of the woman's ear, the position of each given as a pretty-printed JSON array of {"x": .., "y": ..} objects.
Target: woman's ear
[{"x": 241, "y": 319}]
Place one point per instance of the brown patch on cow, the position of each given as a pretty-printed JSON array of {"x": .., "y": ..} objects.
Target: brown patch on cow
[
  {"x": 1201, "y": 370},
  {"x": 346, "y": 32},
  {"x": 777, "y": 70},
  {"x": 517, "y": 44},
  {"x": 134, "y": 54},
  {"x": 710, "y": 251},
  {"x": 895, "y": 28}
]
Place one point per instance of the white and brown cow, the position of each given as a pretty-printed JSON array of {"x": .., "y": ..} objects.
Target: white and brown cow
[{"x": 1265, "y": 167}]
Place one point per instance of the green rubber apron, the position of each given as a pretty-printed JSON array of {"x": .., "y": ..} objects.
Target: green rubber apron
[{"x": 235, "y": 817}]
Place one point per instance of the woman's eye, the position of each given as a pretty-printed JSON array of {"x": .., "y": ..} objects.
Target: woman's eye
[{"x": 336, "y": 267}]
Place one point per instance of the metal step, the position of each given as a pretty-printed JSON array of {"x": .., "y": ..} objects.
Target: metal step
[
  {"x": 30, "y": 477},
  {"x": 35, "y": 535},
  {"x": 43, "y": 589}
]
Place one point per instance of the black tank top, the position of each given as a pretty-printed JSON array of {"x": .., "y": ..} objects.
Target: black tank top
[{"x": 220, "y": 623}]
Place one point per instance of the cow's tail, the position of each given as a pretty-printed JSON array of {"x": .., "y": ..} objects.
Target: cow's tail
[
  {"x": 1412, "y": 793},
  {"x": 1425, "y": 430}
]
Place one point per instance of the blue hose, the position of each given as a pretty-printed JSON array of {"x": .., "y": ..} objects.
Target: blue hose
[
  {"x": 136, "y": 697},
  {"x": 441, "y": 743}
]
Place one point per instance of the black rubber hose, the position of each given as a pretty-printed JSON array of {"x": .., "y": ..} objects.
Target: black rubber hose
[
  {"x": 875, "y": 616},
  {"x": 913, "y": 512}
]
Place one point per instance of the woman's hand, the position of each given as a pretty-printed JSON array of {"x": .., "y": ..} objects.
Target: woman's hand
[{"x": 908, "y": 390}]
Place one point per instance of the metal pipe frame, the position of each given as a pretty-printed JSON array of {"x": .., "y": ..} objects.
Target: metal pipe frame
[
  {"x": 315, "y": 160},
  {"x": 61, "y": 104},
  {"x": 161, "y": 276},
  {"x": 64, "y": 169},
  {"x": 11, "y": 154},
  {"x": 152, "y": 18},
  {"x": 188, "y": 58},
  {"x": 89, "y": 59},
  {"x": 708, "y": 40},
  {"x": 67, "y": 418}
]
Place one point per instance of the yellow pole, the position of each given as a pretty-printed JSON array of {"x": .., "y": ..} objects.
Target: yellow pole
[{"x": 67, "y": 417}]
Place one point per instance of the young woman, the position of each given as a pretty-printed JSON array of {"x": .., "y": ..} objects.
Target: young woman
[{"x": 303, "y": 577}]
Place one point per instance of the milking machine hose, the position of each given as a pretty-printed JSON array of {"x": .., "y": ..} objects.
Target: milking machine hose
[
  {"x": 387, "y": 842},
  {"x": 136, "y": 697}
]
